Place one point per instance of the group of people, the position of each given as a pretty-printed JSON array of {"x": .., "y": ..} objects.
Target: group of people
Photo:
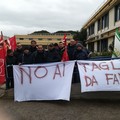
[{"x": 36, "y": 54}]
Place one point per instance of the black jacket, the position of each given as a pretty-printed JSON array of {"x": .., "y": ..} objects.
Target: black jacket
[
  {"x": 52, "y": 56},
  {"x": 10, "y": 61},
  {"x": 25, "y": 58},
  {"x": 71, "y": 50},
  {"x": 32, "y": 49},
  {"x": 38, "y": 57},
  {"x": 80, "y": 55},
  {"x": 17, "y": 53}
]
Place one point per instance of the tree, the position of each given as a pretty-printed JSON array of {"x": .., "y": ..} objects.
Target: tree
[
  {"x": 70, "y": 31},
  {"x": 40, "y": 32},
  {"x": 81, "y": 36}
]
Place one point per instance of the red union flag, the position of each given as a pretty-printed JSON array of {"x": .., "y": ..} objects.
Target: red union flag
[
  {"x": 65, "y": 56},
  {"x": 12, "y": 43},
  {"x": 2, "y": 63},
  {"x": 64, "y": 40}
]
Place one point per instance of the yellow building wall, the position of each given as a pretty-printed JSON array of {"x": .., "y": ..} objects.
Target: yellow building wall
[{"x": 41, "y": 39}]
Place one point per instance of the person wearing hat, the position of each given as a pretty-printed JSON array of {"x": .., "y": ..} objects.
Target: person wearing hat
[{"x": 79, "y": 53}]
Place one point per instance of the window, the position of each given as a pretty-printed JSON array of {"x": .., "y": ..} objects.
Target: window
[
  {"x": 105, "y": 21},
  {"x": 91, "y": 46},
  {"x": 99, "y": 24},
  {"x": 39, "y": 38},
  {"x": 49, "y": 38},
  {"x": 30, "y": 38},
  {"x": 117, "y": 13},
  {"x": 104, "y": 45},
  {"x": 98, "y": 46},
  {"x": 91, "y": 29},
  {"x": 21, "y": 38}
]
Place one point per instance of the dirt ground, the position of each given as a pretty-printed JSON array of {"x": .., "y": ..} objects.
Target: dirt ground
[{"x": 79, "y": 108}]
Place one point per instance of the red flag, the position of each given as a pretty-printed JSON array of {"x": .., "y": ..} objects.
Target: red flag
[
  {"x": 3, "y": 45},
  {"x": 12, "y": 43},
  {"x": 2, "y": 60},
  {"x": 2, "y": 66},
  {"x": 64, "y": 40},
  {"x": 65, "y": 56}
]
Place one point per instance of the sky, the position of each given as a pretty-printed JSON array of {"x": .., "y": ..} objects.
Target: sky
[{"x": 27, "y": 16}]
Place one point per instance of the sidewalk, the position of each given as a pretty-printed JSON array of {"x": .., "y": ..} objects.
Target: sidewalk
[{"x": 76, "y": 94}]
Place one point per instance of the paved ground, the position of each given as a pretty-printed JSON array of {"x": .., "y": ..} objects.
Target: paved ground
[{"x": 79, "y": 108}]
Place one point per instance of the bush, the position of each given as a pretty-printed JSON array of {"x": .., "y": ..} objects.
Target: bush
[{"x": 103, "y": 54}]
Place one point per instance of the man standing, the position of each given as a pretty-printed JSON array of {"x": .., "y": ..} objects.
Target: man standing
[
  {"x": 80, "y": 53},
  {"x": 52, "y": 55},
  {"x": 39, "y": 55},
  {"x": 25, "y": 58},
  {"x": 33, "y": 46},
  {"x": 19, "y": 51},
  {"x": 71, "y": 49},
  {"x": 10, "y": 61}
]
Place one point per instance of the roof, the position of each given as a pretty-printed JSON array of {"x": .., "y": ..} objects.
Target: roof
[{"x": 101, "y": 11}]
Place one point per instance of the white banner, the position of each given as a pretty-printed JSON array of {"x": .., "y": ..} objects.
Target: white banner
[
  {"x": 99, "y": 75},
  {"x": 43, "y": 81}
]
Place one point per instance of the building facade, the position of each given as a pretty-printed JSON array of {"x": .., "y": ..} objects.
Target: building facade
[
  {"x": 102, "y": 25},
  {"x": 42, "y": 38}
]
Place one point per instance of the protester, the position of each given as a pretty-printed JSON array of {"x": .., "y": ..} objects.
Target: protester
[
  {"x": 89, "y": 53},
  {"x": 25, "y": 58},
  {"x": 18, "y": 51},
  {"x": 56, "y": 47},
  {"x": 33, "y": 46},
  {"x": 39, "y": 55},
  {"x": 71, "y": 48},
  {"x": 52, "y": 55},
  {"x": 80, "y": 53},
  {"x": 61, "y": 48},
  {"x": 10, "y": 61}
]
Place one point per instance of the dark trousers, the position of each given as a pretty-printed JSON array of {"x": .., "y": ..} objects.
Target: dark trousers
[
  {"x": 9, "y": 83},
  {"x": 76, "y": 76}
]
